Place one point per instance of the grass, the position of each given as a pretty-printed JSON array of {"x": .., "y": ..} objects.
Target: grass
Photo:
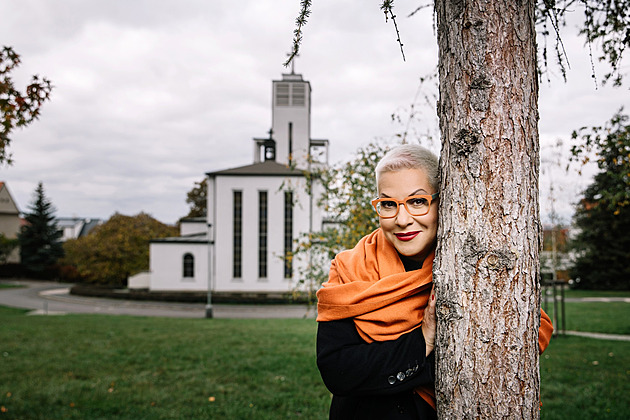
[
  {"x": 576, "y": 293},
  {"x": 583, "y": 378},
  {"x": 9, "y": 286},
  {"x": 103, "y": 367},
  {"x": 609, "y": 318}
]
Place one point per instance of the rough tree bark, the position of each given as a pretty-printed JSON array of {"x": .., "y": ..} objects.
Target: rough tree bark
[{"x": 486, "y": 270}]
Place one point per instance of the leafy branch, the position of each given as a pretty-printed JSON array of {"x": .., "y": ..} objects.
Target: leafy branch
[
  {"x": 17, "y": 109},
  {"x": 305, "y": 12}
]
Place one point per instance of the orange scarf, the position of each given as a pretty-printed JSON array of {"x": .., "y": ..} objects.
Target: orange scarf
[{"x": 369, "y": 283}]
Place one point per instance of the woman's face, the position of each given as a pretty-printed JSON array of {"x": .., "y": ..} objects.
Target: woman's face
[{"x": 412, "y": 236}]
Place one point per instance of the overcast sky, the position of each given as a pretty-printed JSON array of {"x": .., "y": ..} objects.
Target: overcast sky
[{"x": 152, "y": 94}]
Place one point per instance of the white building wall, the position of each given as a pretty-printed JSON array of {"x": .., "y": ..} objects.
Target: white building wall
[
  {"x": 191, "y": 228},
  {"x": 224, "y": 249},
  {"x": 167, "y": 262}
]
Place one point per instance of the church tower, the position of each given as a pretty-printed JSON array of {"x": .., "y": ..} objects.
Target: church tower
[{"x": 291, "y": 119}]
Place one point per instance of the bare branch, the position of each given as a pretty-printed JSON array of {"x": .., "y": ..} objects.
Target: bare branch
[{"x": 387, "y": 8}]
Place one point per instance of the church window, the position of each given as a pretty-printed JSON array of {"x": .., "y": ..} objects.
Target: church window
[
  {"x": 298, "y": 91},
  {"x": 282, "y": 94},
  {"x": 290, "y": 94},
  {"x": 262, "y": 234},
  {"x": 189, "y": 265},
  {"x": 288, "y": 234},
  {"x": 237, "y": 233}
]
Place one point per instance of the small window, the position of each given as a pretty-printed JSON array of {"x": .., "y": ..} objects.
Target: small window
[{"x": 189, "y": 265}]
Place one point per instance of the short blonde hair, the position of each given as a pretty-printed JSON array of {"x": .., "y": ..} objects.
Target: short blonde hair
[{"x": 410, "y": 156}]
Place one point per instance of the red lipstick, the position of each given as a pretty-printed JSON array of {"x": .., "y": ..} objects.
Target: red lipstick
[{"x": 407, "y": 236}]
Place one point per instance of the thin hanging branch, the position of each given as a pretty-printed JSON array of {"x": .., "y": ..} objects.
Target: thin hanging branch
[
  {"x": 305, "y": 12},
  {"x": 424, "y": 6},
  {"x": 387, "y": 8}
]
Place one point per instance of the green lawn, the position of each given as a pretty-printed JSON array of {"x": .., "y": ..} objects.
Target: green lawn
[
  {"x": 609, "y": 318},
  {"x": 572, "y": 293},
  {"x": 106, "y": 367},
  {"x": 9, "y": 286},
  {"x": 119, "y": 367},
  {"x": 583, "y": 378}
]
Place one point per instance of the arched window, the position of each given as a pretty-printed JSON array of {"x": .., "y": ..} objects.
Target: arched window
[{"x": 189, "y": 265}]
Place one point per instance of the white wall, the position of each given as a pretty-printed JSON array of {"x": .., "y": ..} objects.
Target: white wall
[
  {"x": 191, "y": 228},
  {"x": 167, "y": 271},
  {"x": 249, "y": 281}
]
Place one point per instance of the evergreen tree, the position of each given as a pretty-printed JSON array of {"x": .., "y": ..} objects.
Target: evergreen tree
[
  {"x": 40, "y": 247},
  {"x": 603, "y": 215}
]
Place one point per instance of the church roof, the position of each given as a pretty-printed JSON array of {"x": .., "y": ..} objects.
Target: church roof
[
  {"x": 195, "y": 238},
  {"x": 267, "y": 168}
]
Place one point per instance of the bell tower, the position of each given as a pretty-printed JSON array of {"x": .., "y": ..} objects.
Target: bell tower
[{"x": 291, "y": 119}]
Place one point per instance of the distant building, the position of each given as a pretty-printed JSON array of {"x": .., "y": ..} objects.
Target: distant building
[
  {"x": 10, "y": 221},
  {"x": 76, "y": 227},
  {"x": 255, "y": 212},
  {"x": 555, "y": 255}
]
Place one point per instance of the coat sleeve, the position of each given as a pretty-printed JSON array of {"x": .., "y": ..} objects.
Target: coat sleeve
[
  {"x": 351, "y": 367},
  {"x": 544, "y": 332}
]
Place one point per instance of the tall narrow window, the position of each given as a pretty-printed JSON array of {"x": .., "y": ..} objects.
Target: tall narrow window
[
  {"x": 262, "y": 234},
  {"x": 237, "y": 232},
  {"x": 189, "y": 265},
  {"x": 288, "y": 234}
]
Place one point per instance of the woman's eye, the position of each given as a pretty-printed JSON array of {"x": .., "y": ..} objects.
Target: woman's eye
[
  {"x": 418, "y": 202},
  {"x": 388, "y": 204}
]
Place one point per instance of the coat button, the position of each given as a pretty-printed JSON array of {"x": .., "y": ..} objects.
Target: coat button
[
  {"x": 409, "y": 372},
  {"x": 391, "y": 380},
  {"x": 400, "y": 376}
]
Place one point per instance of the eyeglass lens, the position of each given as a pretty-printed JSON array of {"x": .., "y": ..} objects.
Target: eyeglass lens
[{"x": 416, "y": 206}]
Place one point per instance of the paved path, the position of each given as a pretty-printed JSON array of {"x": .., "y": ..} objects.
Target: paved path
[
  {"x": 53, "y": 298},
  {"x": 599, "y": 336},
  {"x": 49, "y": 298}
]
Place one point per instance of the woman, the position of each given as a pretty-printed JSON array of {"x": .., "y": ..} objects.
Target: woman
[{"x": 376, "y": 313}]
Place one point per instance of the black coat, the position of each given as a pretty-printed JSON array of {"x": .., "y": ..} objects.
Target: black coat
[{"x": 375, "y": 380}]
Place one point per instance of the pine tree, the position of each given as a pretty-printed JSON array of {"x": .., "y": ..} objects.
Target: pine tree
[{"x": 40, "y": 247}]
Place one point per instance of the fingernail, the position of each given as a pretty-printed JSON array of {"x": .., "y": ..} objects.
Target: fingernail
[{"x": 432, "y": 297}]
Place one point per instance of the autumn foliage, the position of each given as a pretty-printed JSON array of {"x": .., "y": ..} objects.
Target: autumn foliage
[
  {"x": 116, "y": 249},
  {"x": 17, "y": 109}
]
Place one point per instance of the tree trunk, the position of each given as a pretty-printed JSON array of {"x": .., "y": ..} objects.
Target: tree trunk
[{"x": 487, "y": 266}]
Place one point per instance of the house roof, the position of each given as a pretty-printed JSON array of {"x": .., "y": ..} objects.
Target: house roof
[
  {"x": 193, "y": 220},
  {"x": 7, "y": 204},
  {"x": 195, "y": 238},
  {"x": 268, "y": 168}
]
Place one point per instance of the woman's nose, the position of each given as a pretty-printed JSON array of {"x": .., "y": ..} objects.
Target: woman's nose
[{"x": 403, "y": 218}]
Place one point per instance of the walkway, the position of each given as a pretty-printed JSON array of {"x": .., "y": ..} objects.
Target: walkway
[{"x": 49, "y": 298}]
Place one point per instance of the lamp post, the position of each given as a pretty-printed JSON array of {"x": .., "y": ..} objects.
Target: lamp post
[{"x": 209, "y": 313}]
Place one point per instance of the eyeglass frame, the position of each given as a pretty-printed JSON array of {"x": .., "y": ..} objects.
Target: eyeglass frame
[{"x": 429, "y": 198}]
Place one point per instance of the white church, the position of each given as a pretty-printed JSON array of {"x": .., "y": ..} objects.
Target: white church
[{"x": 255, "y": 213}]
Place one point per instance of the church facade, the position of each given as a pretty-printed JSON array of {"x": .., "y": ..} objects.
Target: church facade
[{"x": 255, "y": 212}]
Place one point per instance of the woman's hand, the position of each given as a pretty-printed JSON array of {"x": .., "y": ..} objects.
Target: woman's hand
[{"x": 429, "y": 323}]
